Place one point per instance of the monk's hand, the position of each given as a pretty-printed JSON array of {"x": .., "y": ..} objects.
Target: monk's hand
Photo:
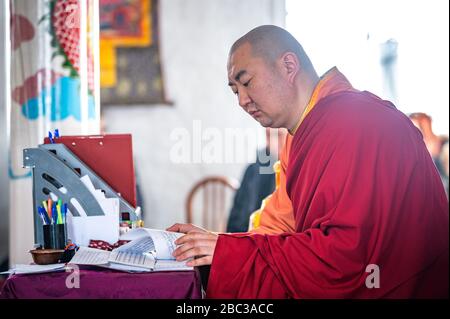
[
  {"x": 198, "y": 245},
  {"x": 185, "y": 228}
]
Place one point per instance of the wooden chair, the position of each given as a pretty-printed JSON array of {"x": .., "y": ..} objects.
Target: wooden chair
[{"x": 213, "y": 211}]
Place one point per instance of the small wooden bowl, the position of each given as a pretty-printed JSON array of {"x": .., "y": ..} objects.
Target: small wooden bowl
[{"x": 46, "y": 256}]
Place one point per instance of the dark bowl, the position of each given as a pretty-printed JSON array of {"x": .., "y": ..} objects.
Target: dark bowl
[{"x": 46, "y": 256}]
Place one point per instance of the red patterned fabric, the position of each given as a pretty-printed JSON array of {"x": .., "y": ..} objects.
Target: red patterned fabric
[
  {"x": 66, "y": 23},
  {"x": 100, "y": 244}
]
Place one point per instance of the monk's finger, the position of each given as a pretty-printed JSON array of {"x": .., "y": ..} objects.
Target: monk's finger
[
  {"x": 198, "y": 251},
  {"x": 182, "y": 228},
  {"x": 174, "y": 228},
  {"x": 209, "y": 241},
  {"x": 207, "y": 260},
  {"x": 182, "y": 248},
  {"x": 194, "y": 236}
]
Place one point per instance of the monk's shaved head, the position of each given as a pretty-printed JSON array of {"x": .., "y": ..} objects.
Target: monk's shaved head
[{"x": 270, "y": 43}]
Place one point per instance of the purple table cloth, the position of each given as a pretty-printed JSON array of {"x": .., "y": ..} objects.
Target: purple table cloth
[{"x": 105, "y": 284}]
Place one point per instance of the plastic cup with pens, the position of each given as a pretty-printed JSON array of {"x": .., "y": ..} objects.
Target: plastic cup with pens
[{"x": 54, "y": 225}]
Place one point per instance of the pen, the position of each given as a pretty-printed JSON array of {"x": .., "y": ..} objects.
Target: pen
[
  {"x": 50, "y": 137},
  {"x": 49, "y": 207},
  {"x": 44, "y": 215},
  {"x": 45, "y": 205},
  {"x": 58, "y": 209},
  {"x": 56, "y": 134},
  {"x": 44, "y": 222},
  {"x": 54, "y": 214},
  {"x": 64, "y": 213}
]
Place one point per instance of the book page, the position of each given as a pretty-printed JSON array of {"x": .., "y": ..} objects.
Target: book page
[
  {"x": 163, "y": 241},
  {"x": 90, "y": 256},
  {"x": 143, "y": 260},
  {"x": 126, "y": 268},
  {"x": 165, "y": 265},
  {"x": 138, "y": 246}
]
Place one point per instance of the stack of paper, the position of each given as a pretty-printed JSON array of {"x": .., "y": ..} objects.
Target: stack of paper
[{"x": 81, "y": 229}]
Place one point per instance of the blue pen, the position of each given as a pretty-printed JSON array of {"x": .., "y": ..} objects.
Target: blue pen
[
  {"x": 56, "y": 134},
  {"x": 50, "y": 137},
  {"x": 44, "y": 222},
  {"x": 54, "y": 214},
  {"x": 64, "y": 212},
  {"x": 44, "y": 215}
]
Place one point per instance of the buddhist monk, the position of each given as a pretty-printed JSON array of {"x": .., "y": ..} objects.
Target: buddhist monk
[{"x": 369, "y": 214}]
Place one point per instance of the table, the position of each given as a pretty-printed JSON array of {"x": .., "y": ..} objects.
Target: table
[{"x": 105, "y": 284}]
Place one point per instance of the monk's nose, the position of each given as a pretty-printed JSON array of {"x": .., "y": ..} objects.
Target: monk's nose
[{"x": 244, "y": 99}]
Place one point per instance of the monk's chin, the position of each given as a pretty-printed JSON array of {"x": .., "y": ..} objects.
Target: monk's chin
[
  {"x": 262, "y": 121},
  {"x": 266, "y": 124}
]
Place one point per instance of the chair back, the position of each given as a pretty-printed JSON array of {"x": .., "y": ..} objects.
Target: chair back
[{"x": 209, "y": 202}]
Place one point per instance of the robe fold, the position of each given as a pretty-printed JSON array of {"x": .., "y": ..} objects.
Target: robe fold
[{"x": 371, "y": 214}]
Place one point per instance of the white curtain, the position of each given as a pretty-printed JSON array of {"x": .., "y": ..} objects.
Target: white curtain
[{"x": 54, "y": 85}]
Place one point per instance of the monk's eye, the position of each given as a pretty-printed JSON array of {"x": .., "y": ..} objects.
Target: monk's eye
[{"x": 246, "y": 83}]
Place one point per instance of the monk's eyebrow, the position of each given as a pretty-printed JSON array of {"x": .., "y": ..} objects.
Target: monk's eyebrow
[
  {"x": 239, "y": 74},
  {"x": 237, "y": 77}
]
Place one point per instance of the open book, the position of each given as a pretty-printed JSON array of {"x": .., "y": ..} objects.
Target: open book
[{"x": 148, "y": 250}]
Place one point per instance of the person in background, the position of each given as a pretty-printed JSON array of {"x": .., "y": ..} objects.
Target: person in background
[
  {"x": 434, "y": 143},
  {"x": 257, "y": 183}
]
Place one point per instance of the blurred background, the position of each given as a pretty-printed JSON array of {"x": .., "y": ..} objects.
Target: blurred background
[{"x": 157, "y": 70}]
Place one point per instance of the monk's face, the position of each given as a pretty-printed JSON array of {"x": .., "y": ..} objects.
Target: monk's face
[{"x": 259, "y": 87}]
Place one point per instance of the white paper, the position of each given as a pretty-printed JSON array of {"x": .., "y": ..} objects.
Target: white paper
[
  {"x": 126, "y": 268},
  {"x": 128, "y": 261},
  {"x": 145, "y": 260},
  {"x": 165, "y": 265},
  {"x": 88, "y": 183},
  {"x": 139, "y": 246},
  {"x": 90, "y": 256},
  {"x": 81, "y": 229},
  {"x": 34, "y": 269},
  {"x": 164, "y": 243},
  {"x": 104, "y": 227},
  {"x": 76, "y": 229},
  {"x": 163, "y": 240}
]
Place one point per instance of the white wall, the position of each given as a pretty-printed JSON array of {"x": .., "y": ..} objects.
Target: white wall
[
  {"x": 195, "y": 38},
  {"x": 421, "y": 28}
]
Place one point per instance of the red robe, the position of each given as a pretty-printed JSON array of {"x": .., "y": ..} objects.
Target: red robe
[{"x": 365, "y": 192}]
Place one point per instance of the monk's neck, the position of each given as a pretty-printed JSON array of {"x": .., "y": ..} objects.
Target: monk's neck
[{"x": 305, "y": 89}]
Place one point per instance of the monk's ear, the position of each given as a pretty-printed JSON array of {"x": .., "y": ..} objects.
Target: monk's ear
[{"x": 291, "y": 65}]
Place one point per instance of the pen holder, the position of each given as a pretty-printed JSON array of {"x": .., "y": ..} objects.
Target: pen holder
[{"x": 55, "y": 236}]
